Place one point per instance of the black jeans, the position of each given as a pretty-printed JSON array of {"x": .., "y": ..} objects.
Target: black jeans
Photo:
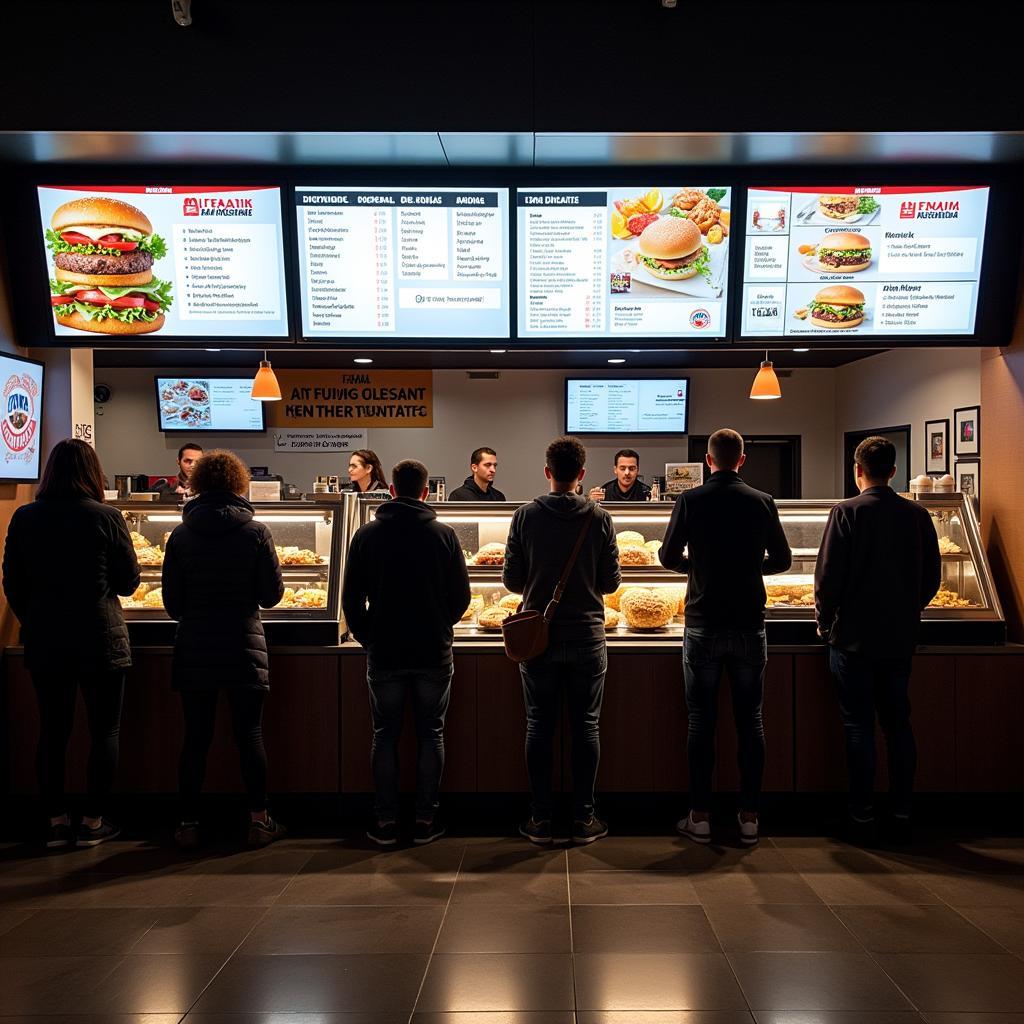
[
  {"x": 745, "y": 654},
  {"x": 430, "y": 690},
  {"x": 577, "y": 668},
  {"x": 57, "y": 694},
  {"x": 200, "y": 710},
  {"x": 866, "y": 685}
]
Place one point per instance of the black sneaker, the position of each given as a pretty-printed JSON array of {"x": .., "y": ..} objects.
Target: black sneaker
[
  {"x": 102, "y": 833},
  {"x": 428, "y": 831},
  {"x": 538, "y": 832},
  {"x": 383, "y": 834},
  {"x": 58, "y": 836},
  {"x": 263, "y": 833},
  {"x": 186, "y": 835},
  {"x": 588, "y": 831}
]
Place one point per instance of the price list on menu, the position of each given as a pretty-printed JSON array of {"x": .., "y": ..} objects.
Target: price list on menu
[
  {"x": 410, "y": 263},
  {"x": 566, "y": 262}
]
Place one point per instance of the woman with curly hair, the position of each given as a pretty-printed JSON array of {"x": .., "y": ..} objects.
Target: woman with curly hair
[{"x": 220, "y": 568}]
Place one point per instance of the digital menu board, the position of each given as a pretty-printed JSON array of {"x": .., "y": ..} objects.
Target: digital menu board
[
  {"x": 22, "y": 383},
  {"x": 165, "y": 260},
  {"x": 623, "y": 262},
  {"x": 601, "y": 405},
  {"x": 885, "y": 260},
  {"x": 403, "y": 262},
  {"x": 208, "y": 403}
]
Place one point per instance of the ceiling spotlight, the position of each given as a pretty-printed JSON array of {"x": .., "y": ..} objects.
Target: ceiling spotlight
[{"x": 363, "y": 360}]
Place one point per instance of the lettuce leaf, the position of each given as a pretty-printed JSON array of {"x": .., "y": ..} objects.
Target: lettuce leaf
[{"x": 151, "y": 243}]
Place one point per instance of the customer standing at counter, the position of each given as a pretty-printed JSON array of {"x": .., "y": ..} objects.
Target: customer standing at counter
[
  {"x": 878, "y": 567},
  {"x": 479, "y": 485},
  {"x": 627, "y": 486},
  {"x": 73, "y": 631},
  {"x": 220, "y": 567},
  {"x": 365, "y": 472},
  {"x": 541, "y": 535},
  {"x": 718, "y": 536},
  {"x": 405, "y": 559}
]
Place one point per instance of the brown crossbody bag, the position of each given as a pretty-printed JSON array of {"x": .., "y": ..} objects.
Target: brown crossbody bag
[{"x": 526, "y": 633}]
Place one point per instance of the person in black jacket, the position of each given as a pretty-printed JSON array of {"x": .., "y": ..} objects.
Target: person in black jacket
[
  {"x": 627, "y": 486},
  {"x": 479, "y": 485},
  {"x": 220, "y": 568},
  {"x": 66, "y": 559},
  {"x": 540, "y": 540},
  {"x": 406, "y": 585},
  {"x": 878, "y": 567},
  {"x": 718, "y": 535}
]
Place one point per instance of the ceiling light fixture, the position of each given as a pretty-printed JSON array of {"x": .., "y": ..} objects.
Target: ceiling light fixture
[
  {"x": 766, "y": 383},
  {"x": 265, "y": 387}
]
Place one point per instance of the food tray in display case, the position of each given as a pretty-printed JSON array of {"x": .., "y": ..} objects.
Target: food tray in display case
[
  {"x": 308, "y": 539},
  {"x": 966, "y": 610}
]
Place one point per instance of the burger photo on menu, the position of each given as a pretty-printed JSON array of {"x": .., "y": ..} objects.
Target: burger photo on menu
[
  {"x": 837, "y": 306},
  {"x": 103, "y": 254}
]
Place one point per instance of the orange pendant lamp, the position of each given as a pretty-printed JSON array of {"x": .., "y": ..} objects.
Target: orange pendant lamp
[
  {"x": 766, "y": 383},
  {"x": 265, "y": 387}
]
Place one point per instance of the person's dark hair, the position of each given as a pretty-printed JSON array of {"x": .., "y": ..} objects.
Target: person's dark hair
[
  {"x": 190, "y": 447},
  {"x": 626, "y": 453},
  {"x": 565, "y": 458},
  {"x": 725, "y": 447},
  {"x": 370, "y": 459},
  {"x": 876, "y": 457},
  {"x": 72, "y": 472},
  {"x": 474, "y": 459},
  {"x": 409, "y": 478},
  {"x": 220, "y": 470}
]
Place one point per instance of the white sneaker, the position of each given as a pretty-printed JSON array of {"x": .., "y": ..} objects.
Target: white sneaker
[
  {"x": 748, "y": 830},
  {"x": 698, "y": 831}
]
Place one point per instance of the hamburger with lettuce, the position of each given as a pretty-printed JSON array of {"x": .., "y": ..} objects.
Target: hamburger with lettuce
[
  {"x": 837, "y": 306},
  {"x": 103, "y": 253}
]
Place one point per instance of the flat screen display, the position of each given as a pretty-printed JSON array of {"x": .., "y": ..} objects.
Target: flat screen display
[
  {"x": 208, "y": 403},
  {"x": 631, "y": 262},
  {"x": 863, "y": 260},
  {"x": 140, "y": 263},
  {"x": 403, "y": 262},
  {"x": 22, "y": 382},
  {"x": 601, "y": 405}
]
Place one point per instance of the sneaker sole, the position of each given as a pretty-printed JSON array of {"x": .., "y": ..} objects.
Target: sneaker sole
[{"x": 381, "y": 842}]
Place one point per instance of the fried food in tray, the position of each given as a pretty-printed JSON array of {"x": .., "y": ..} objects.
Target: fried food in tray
[
  {"x": 292, "y": 555},
  {"x": 631, "y": 555},
  {"x": 491, "y": 618},
  {"x": 490, "y": 554},
  {"x": 647, "y": 609}
]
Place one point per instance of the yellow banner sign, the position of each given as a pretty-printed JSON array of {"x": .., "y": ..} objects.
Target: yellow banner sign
[{"x": 353, "y": 398}]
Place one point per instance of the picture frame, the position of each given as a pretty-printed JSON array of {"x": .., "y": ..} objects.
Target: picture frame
[
  {"x": 936, "y": 446},
  {"x": 683, "y": 476},
  {"x": 967, "y": 431},
  {"x": 967, "y": 474}
]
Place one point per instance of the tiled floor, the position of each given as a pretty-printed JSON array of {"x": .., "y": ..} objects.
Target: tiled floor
[{"x": 633, "y": 930}]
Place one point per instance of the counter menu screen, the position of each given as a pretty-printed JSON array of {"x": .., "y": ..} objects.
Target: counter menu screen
[
  {"x": 208, "y": 403},
  {"x": 403, "y": 263},
  {"x": 889, "y": 260},
  {"x": 623, "y": 262},
  {"x": 165, "y": 260},
  {"x": 603, "y": 406}
]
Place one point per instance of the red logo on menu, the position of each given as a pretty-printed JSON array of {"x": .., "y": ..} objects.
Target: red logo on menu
[
  {"x": 908, "y": 209},
  {"x": 190, "y": 207}
]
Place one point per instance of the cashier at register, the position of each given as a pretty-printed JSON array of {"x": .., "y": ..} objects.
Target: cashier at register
[{"x": 626, "y": 486}]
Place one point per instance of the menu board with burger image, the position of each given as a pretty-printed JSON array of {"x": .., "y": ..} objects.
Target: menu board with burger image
[
  {"x": 623, "y": 262},
  {"x": 178, "y": 260},
  {"x": 886, "y": 260}
]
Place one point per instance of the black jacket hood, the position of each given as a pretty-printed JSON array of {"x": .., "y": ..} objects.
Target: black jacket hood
[
  {"x": 217, "y": 512},
  {"x": 406, "y": 510},
  {"x": 565, "y": 505}
]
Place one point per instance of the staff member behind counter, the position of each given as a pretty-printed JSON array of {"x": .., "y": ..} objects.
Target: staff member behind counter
[
  {"x": 479, "y": 485},
  {"x": 626, "y": 486}
]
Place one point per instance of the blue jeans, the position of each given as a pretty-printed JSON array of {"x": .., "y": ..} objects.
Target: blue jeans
[
  {"x": 866, "y": 685},
  {"x": 578, "y": 668},
  {"x": 745, "y": 654},
  {"x": 430, "y": 690}
]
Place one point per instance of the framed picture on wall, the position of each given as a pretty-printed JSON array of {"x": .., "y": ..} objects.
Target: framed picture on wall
[
  {"x": 936, "y": 446},
  {"x": 968, "y": 478},
  {"x": 967, "y": 431}
]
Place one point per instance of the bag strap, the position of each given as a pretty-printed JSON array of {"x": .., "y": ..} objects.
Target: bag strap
[{"x": 549, "y": 612}]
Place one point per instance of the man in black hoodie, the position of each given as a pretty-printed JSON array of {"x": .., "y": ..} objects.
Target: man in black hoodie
[
  {"x": 406, "y": 585},
  {"x": 540, "y": 541},
  {"x": 479, "y": 485}
]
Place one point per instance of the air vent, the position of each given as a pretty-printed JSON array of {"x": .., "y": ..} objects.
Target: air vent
[{"x": 483, "y": 375}]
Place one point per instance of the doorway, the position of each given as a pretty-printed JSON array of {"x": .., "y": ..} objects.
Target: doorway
[
  {"x": 773, "y": 462},
  {"x": 900, "y": 437}
]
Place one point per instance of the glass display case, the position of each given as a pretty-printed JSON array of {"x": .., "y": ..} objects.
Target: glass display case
[
  {"x": 308, "y": 539},
  {"x": 966, "y": 609}
]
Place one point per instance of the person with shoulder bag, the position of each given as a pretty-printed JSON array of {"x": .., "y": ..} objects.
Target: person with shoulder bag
[{"x": 562, "y": 557}]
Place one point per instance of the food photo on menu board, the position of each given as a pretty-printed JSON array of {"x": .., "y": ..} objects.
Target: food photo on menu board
[
  {"x": 617, "y": 262},
  {"x": 886, "y": 260},
  {"x": 179, "y": 260}
]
